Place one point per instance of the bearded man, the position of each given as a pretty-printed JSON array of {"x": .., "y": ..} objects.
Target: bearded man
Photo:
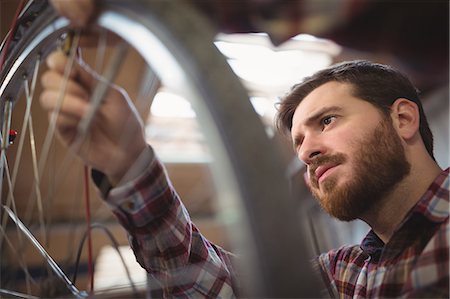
[
  {"x": 358, "y": 126},
  {"x": 361, "y": 131}
]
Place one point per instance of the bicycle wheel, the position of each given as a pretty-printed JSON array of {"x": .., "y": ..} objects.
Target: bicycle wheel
[{"x": 177, "y": 44}]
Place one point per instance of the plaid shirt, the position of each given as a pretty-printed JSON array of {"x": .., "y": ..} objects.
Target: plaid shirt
[
  {"x": 413, "y": 264},
  {"x": 184, "y": 264}
]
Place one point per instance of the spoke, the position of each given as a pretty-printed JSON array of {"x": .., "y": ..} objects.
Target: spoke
[
  {"x": 29, "y": 121},
  {"x": 36, "y": 186},
  {"x": 53, "y": 265},
  {"x": 99, "y": 93},
  {"x": 12, "y": 203},
  {"x": 11, "y": 181},
  {"x": 25, "y": 125},
  {"x": 114, "y": 244},
  {"x": 5, "y": 132},
  {"x": 60, "y": 176},
  {"x": 19, "y": 257},
  {"x": 17, "y": 294},
  {"x": 4, "y": 168},
  {"x": 7, "y": 112},
  {"x": 150, "y": 84},
  {"x": 52, "y": 126},
  {"x": 101, "y": 50}
]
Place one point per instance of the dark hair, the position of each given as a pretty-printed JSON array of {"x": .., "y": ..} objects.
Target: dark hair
[{"x": 375, "y": 83}]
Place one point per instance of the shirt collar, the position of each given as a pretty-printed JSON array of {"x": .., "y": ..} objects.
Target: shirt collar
[
  {"x": 433, "y": 206},
  {"x": 372, "y": 245}
]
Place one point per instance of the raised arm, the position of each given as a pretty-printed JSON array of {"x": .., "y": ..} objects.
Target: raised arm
[{"x": 165, "y": 241}]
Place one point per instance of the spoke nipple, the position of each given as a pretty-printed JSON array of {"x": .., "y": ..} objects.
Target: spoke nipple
[{"x": 12, "y": 136}]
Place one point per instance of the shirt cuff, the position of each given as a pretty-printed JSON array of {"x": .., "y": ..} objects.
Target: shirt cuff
[{"x": 134, "y": 173}]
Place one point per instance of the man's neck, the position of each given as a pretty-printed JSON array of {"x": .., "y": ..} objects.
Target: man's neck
[{"x": 392, "y": 209}]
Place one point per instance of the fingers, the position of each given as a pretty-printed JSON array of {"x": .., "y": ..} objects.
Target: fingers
[
  {"x": 67, "y": 117},
  {"x": 79, "y": 12},
  {"x": 66, "y": 125},
  {"x": 72, "y": 106},
  {"x": 57, "y": 62},
  {"x": 70, "y": 103},
  {"x": 66, "y": 109},
  {"x": 54, "y": 81}
]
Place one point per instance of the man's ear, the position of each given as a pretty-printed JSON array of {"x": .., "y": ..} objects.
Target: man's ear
[{"x": 405, "y": 117}]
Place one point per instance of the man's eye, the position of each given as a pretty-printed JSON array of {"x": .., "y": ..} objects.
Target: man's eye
[{"x": 328, "y": 120}]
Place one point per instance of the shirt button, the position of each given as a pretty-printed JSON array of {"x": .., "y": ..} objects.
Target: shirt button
[{"x": 129, "y": 205}]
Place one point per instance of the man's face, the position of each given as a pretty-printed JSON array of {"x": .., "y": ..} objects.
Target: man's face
[{"x": 353, "y": 154}]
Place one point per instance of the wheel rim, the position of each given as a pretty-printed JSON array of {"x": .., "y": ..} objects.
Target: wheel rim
[{"x": 249, "y": 172}]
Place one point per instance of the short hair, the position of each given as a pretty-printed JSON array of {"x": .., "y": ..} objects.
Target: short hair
[{"x": 375, "y": 83}]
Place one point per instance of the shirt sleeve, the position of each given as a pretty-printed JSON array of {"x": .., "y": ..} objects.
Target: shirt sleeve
[
  {"x": 166, "y": 242},
  {"x": 430, "y": 276}
]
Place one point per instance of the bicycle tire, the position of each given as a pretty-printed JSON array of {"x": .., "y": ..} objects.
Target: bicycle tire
[{"x": 249, "y": 167}]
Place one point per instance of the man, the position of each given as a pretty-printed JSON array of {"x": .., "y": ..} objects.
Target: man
[
  {"x": 360, "y": 129},
  {"x": 165, "y": 241}
]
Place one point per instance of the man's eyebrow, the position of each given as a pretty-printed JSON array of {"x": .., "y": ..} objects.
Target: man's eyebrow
[
  {"x": 317, "y": 115},
  {"x": 313, "y": 119}
]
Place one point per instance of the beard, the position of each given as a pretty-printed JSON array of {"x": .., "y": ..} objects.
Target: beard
[{"x": 379, "y": 165}]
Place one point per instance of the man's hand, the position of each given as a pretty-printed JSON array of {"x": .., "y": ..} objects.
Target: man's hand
[
  {"x": 116, "y": 135},
  {"x": 79, "y": 12}
]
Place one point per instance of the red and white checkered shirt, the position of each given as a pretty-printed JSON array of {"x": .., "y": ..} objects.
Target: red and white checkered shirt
[
  {"x": 413, "y": 264},
  {"x": 183, "y": 263}
]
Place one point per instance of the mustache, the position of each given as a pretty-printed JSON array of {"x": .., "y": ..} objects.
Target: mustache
[{"x": 321, "y": 160}]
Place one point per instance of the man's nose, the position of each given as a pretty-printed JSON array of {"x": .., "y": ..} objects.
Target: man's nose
[{"x": 310, "y": 148}]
